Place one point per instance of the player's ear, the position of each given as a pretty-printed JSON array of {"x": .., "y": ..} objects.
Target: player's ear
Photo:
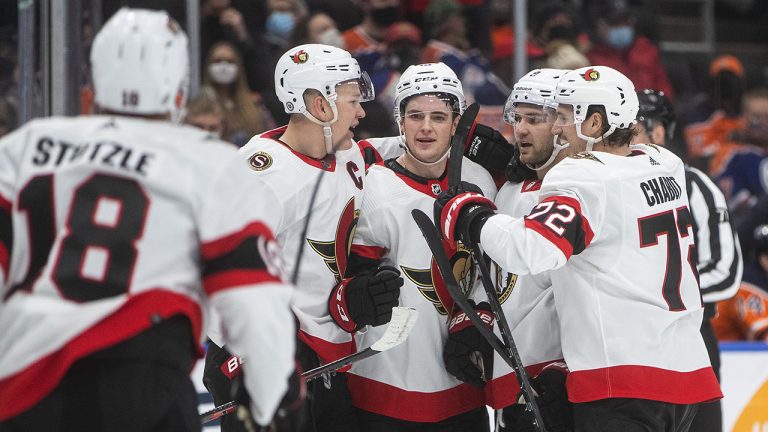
[
  {"x": 455, "y": 124},
  {"x": 593, "y": 125}
]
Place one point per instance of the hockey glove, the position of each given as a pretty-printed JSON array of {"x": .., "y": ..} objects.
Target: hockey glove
[
  {"x": 461, "y": 211},
  {"x": 366, "y": 299},
  {"x": 516, "y": 171},
  {"x": 467, "y": 355},
  {"x": 552, "y": 399},
  {"x": 488, "y": 148},
  {"x": 290, "y": 413}
]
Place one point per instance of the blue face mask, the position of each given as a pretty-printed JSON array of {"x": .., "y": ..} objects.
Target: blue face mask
[
  {"x": 280, "y": 24},
  {"x": 621, "y": 37}
]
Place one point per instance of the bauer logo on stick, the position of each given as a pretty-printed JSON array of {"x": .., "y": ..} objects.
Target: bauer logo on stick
[{"x": 260, "y": 161}]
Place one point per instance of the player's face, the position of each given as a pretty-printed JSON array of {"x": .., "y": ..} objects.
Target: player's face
[
  {"x": 533, "y": 133},
  {"x": 428, "y": 124},
  {"x": 564, "y": 129},
  {"x": 350, "y": 111}
]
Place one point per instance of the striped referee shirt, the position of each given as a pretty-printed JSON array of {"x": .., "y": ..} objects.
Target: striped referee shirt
[{"x": 719, "y": 262}]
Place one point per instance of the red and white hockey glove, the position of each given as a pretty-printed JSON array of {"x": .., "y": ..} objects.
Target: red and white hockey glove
[
  {"x": 467, "y": 355},
  {"x": 460, "y": 213},
  {"x": 366, "y": 299}
]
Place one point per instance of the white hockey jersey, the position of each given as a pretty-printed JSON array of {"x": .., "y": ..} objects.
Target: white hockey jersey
[
  {"x": 291, "y": 177},
  {"x": 528, "y": 304},
  {"x": 109, "y": 225},
  {"x": 410, "y": 381},
  {"x": 616, "y": 231}
]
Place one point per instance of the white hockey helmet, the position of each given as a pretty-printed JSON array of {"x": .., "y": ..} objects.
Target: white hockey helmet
[
  {"x": 428, "y": 78},
  {"x": 140, "y": 64},
  {"x": 318, "y": 67},
  {"x": 537, "y": 87},
  {"x": 598, "y": 85}
]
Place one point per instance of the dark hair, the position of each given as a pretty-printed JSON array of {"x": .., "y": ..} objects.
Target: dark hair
[
  {"x": 450, "y": 100},
  {"x": 619, "y": 137}
]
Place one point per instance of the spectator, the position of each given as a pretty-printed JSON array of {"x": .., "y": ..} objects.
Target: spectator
[
  {"x": 449, "y": 45},
  {"x": 317, "y": 28},
  {"x": 745, "y": 317},
  {"x": 744, "y": 178},
  {"x": 204, "y": 112},
  {"x": 220, "y": 21},
  {"x": 281, "y": 22},
  {"x": 711, "y": 123},
  {"x": 224, "y": 81},
  {"x": 619, "y": 47},
  {"x": 553, "y": 30},
  {"x": 378, "y": 15}
]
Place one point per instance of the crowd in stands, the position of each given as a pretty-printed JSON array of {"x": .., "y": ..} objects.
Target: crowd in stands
[{"x": 722, "y": 128}]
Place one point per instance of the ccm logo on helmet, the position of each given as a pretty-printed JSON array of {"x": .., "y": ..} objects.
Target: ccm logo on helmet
[
  {"x": 260, "y": 161},
  {"x": 591, "y": 75},
  {"x": 425, "y": 79}
]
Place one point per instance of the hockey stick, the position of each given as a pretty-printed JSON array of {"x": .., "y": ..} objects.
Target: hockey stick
[
  {"x": 459, "y": 141},
  {"x": 507, "y": 350},
  {"x": 398, "y": 329}
]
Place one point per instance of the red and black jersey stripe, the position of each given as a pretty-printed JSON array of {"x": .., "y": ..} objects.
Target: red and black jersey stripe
[
  {"x": 6, "y": 234},
  {"x": 559, "y": 220},
  {"x": 236, "y": 259}
]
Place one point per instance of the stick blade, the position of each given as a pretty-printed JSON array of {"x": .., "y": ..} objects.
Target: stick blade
[{"x": 400, "y": 326}]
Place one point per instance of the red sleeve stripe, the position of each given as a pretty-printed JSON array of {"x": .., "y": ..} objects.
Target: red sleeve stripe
[
  {"x": 224, "y": 245},
  {"x": 371, "y": 156},
  {"x": 370, "y": 252},
  {"x": 576, "y": 233},
  {"x": 236, "y": 278}
]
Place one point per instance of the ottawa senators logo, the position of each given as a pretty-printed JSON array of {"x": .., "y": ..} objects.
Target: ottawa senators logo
[
  {"x": 591, "y": 75},
  {"x": 431, "y": 285},
  {"x": 300, "y": 57},
  {"x": 505, "y": 283},
  {"x": 336, "y": 253}
]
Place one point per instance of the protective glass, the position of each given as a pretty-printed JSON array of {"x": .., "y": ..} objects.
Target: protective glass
[
  {"x": 367, "y": 93},
  {"x": 561, "y": 115}
]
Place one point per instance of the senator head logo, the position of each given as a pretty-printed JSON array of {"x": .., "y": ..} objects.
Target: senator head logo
[
  {"x": 300, "y": 57},
  {"x": 591, "y": 75},
  {"x": 260, "y": 161}
]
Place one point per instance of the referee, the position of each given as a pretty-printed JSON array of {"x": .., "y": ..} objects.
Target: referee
[{"x": 719, "y": 256}]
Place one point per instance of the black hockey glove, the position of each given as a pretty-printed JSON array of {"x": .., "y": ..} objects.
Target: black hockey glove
[
  {"x": 552, "y": 399},
  {"x": 488, "y": 148},
  {"x": 461, "y": 211},
  {"x": 467, "y": 355},
  {"x": 290, "y": 413},
  {"x": 366, "y": 299},
  {"x": 516, "y": 171}
]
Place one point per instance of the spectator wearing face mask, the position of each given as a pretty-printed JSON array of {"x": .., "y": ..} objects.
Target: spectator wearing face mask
[
  {"x": 617, "y": 45},
  {"x": 224, "y": 82},
  {"x": 317, "y": 28},
  {"x": 555, "y": 32},
  {"x": 368, "y": 36},
  {"x": 281, "y": 22}
]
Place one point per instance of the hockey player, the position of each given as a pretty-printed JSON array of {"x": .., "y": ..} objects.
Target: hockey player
[
  {"x": 719, "y": 255},
  {"x": 117, "y": 232},
  {"x": 606, "y": 219},
  {"x": 528, "y": 300},
  {"x": 408, "y": 388},
  {"x": 322, "y": 89}
]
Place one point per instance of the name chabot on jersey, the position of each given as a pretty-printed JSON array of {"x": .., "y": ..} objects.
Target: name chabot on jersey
[{"x": 108, "y": 153}]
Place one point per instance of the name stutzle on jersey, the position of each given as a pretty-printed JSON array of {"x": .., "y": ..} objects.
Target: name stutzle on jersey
[{"x": 57, "y": 152}]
